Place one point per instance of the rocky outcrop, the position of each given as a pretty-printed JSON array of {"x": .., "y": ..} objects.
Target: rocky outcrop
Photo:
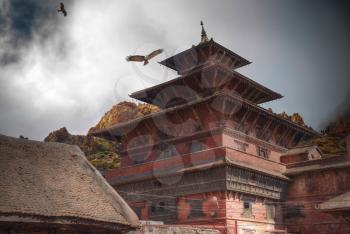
[
  {"x": 334, "y": 135},
  {"x": 295, "y": 118},
  {"x": 122, "y": 112},
  {"x": 333, "y": 139},
  {"x": 100, "y": 152}
]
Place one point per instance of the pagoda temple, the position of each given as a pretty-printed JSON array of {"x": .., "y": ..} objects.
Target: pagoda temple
[{"x": 211, "y": 156}]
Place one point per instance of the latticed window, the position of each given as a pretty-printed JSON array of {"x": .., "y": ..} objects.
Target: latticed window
[
  {"x": 270, "y": 211},
  {"x": 195, "y": 146},
  {"x": 196, "y": 208},
  {"x": 294, "y": 211},
  {"x": 158, "y": 208},
  {"x": 241, "y": 146},
  {"x": 247, "y": 209},
  {"x": 262, "y": 152},
  {"x": 167, "y": 152}
]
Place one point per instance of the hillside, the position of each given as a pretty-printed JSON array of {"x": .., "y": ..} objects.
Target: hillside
[
  {"x": 333, "y": 140},
  {"x": 124, "y": 111},
  {"x": 100, "y": 152}
]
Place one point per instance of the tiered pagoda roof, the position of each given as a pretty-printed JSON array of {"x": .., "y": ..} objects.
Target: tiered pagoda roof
[
  {"x": 204, "y": 54},
  {"x": 207, "y": 74},
  {"x": 205, "y": 82},
  {"x": 205, "y": 69}
]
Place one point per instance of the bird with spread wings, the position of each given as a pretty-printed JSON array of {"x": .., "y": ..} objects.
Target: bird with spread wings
[
  {"x": 62, "y": 9},
  {"x": 144, "y": 59}
]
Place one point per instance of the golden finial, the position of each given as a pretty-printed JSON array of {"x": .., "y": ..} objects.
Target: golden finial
[{"x": 204, "y": 37}]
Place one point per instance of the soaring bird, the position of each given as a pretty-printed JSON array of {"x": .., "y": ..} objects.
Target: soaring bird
[
  {"x": 144, "y": 59},
  {"x": 62, "y": 9}
]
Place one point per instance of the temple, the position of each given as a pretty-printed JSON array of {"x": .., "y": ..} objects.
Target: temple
[{"x": 212, "y": 156}]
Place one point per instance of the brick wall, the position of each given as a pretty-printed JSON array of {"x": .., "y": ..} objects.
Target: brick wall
[{"x": 309, "y": 189}]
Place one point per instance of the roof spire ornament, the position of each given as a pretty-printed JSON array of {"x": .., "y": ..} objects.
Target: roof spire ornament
[{"x": 204, "y": 37}]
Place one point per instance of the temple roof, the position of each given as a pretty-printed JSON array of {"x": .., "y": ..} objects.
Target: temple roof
[
  {"x": 204, "y": 53},
  {"x": 204, "y": 82},
  {"x": 302, "y": 150},
  {"x": 54, "y": 183},
  {"x": 117, "y": 130},
  {"x": 334, "y": 163}
]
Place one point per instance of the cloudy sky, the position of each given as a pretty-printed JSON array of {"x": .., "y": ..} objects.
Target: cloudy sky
[{"x": 60, "y": 71}]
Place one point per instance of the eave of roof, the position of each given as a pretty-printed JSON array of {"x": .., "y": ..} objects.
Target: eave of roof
[
  {"x": 40, "y": 179},
  {"x": 317, "y": 165},
  {"x": 301, "y": 150},
  {"x": 169, "y": 61},
  {"x": 248, "y": 104},
  {"x": 271, "y": 95},
  {"x": 340, "y": 202},
  {"x": 222, "y": 162}
]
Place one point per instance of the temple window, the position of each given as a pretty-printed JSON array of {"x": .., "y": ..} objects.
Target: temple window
[
  {"x": 158, "y": 208},
  {"x": 247, "y": 209},
  {"x": 248, "y": 231},
  {"x": 139, "y": 158},
  {"x": 294, "y": 211},
  {"x": 157, "y": 184},
  {"x": 168, "y": 152},
  {"x": 161, "y": 206},
  {"x": 153, "y": 209},
  {"x": 195, "y": 146},
  {"x": 270, "y": 212},
  {"x": 262, "y": 152},
  {"x": 258, "y": 131},
  {"x": 196, "y": 208},
  {"x": 241, "y": 146}
]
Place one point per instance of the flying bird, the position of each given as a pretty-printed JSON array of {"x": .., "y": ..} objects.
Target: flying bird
[
  {"x": 144, "y": 59},
  {"x": 62, "y": 9}
]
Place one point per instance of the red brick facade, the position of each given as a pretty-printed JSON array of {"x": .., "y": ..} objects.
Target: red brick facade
[{"x": 211, "y": 156}]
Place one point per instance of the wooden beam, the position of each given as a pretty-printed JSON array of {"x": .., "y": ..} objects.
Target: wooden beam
[
  {"x": 196, "y": 60},
  {"x": 267, "y": 126},
  {"x": 234, "y": 110},
  {"x": 257, "y": 98},
  {"x": 252, "y": 99},
  {"x": 253, "y": 124},
  {"x": 249, "y": 93},
  {"x": 197, "y": 117},
  {"x": 213, "y": 84},
  {"x": 245, "y": 91},
  {"x": 244, "y": 118},
  {"x": 292, "y": 138},
  {"x": 223, "y": 81},
  {"x": 188, "y": 63},
  {"x": 236, "y": 85},
  {"x": 211, "y": 112},
  {"x": 284, "y": 135},
  {"x": 147, "y": 125},
  {"x": 231, "y": 63},
  {"x": 222, "y": 56},
  {"x": 226, "y": 61},
  {"x": 274, "y": 131}
]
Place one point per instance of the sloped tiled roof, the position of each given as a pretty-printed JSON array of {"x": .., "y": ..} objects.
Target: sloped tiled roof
[
  {"x": 302, "y": 150},
  {"x": 339, "y": 202},
  {"x": 56, "y": 181}
]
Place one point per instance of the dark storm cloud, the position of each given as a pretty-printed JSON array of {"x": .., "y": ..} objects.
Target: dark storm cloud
[
  {"x": 27, "y": 14},
  {"x": 20, "y": 21}
]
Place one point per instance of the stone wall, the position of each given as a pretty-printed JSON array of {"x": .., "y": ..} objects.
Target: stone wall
[{"x": 172, "y": 229}]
